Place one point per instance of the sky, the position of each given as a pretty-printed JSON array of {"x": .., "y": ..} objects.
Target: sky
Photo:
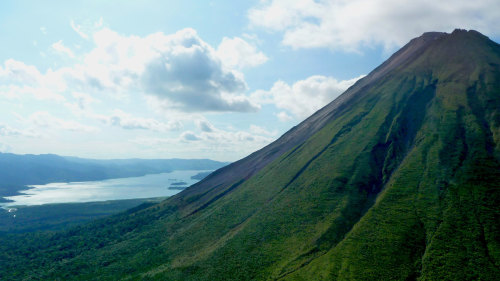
[{"x": 194, "y": 79}]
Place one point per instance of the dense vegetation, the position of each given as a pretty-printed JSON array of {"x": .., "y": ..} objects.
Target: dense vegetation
[
  {"x": 21, "y": 170},
  {"x": 401, "y": 182},
  {"x": 63, "y": 215}
]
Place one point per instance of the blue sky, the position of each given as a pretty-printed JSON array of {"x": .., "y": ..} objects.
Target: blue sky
[{"x": 194, "y": 79}]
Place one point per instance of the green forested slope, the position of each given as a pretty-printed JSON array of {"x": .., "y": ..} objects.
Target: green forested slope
[
  {"x": 438, "y": 217},
  {"x": 400, "y": 182}
]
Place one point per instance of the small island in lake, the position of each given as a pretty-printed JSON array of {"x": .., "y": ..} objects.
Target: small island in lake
[
  {"x": 201, "y": 175},
  {"x": 181, "y": 185}
]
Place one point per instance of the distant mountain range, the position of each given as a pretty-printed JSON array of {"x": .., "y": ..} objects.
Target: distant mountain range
[
  {"x": 17, "y": 171},
  {"x": 397, "y": 179}
]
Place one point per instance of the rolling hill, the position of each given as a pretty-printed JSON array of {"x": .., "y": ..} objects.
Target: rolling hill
[{"x": 397, "y": 179}]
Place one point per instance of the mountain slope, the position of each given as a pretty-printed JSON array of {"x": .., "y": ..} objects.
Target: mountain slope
[
  {"x": 438, "y": 216},
  {"x": 397, "y": 179}
]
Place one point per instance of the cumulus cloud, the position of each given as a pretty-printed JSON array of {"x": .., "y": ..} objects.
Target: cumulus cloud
[
  {"x": 40, "y": 93},
  {"x": 258, "y": 130},
  {"x": 84, "y": 100},
  {"x": 44, "y": 119},
  {"x": 180, "y": 70},
  {"x": 17, "y": 72},
  {"x": 215, "y": 136},
  {"x": 216, "y": 143},
  {"x": 205, "y": 126},
  {"x": 303, "y": 97},
  {"x": 189, "y": 136},
  {"x": 238, "y": 53},
  {"x": 6, "y": 130},
  {"x": 349, "y": 25},
  {"x": 128, "y": 122},
  {"x": 284, "y": 117},
  {"x": 18, "y": 79}
]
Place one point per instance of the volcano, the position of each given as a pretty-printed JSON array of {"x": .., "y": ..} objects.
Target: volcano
[{"x": 396, "y": 179}]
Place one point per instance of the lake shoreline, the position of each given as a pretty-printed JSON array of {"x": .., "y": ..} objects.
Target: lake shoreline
[
  {"x": 31, "y": 186},
  {"x": 147, "y": 186},
  {"x": 159, "y": 198}
]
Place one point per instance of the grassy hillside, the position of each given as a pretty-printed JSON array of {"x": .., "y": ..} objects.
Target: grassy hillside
[{"x": 397, "y": 180}]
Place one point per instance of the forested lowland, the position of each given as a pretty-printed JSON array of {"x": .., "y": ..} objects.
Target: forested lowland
[{"x": 60, "y": 216}]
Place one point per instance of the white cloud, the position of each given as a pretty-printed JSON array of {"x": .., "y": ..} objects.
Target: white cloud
[
  {"x": 78, "y": 29},
  {"x": 283, "y": 116},
  {"x": 304, "y": 97},
  {"x": 60, "y": 48},
  {"x": 258, "y": 130},
  {"x": 16, "y": 92},
  {"x": 98, "y": 23},
  {"x": 128, "y": 122},
  {"x": 6, "y": 130},
  {"x": 18, "y": 79},
  {"x": 5, "y": 148},
  {"x": 180, "y": 70},
  {"x": 204, "y": 125},
  {"x": 238, "y": 53},
  {"x": 16, "y": 72},
  {"x": 44, "y": 119},
  {"x": 81, "y": 106},
  {"x": 349, "y": 25},
  {"x": 235, "y": 138},
  {"x": 189, "y": 136},
  {"x": 215, "y": 143},
  {"x": 84, "y": 100}
]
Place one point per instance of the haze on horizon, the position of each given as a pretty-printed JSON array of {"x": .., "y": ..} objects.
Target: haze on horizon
[{"x": 219, "y": 79}]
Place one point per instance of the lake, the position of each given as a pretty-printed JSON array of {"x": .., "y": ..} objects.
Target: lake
[{"x": 155, "y": 185}]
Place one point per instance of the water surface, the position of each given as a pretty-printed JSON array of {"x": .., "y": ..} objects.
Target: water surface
[{"x": 156, "y": 185}]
